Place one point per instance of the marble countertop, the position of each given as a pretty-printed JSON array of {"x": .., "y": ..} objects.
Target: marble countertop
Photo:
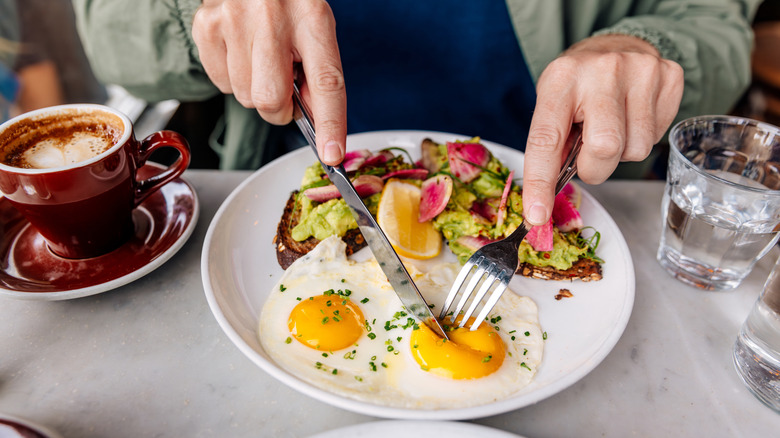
[{"x": 149, "y": 359}]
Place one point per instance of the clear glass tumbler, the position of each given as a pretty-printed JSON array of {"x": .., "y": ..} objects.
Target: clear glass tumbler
[
  {"x": 721, "y": 204},
  {"x": 757, "y": 349}
]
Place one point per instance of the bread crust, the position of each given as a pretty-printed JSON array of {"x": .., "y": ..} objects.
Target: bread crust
[{"x": 582, "y": 269}]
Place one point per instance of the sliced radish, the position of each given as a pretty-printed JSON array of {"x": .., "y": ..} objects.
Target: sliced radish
[
  {"x": 435, "y": 193},
  {"x": 379, "y": 158},
  {"x": 430, "y": 155},
  {"x": 365, "y": 185},
  {"x": 502, "y": 206},
  {"x": 323, "y": 193},
  {"x": 478, "y": 218},
  {"x": 573, "y": 192},
  {"x": 464, "y": 156},
  {"x": 565, "y": 215},
  {"x": 407, "y": 173},
  {"x": 486, "y": 209},
  {"x": 541, "y": 237},
  {"x": 473, "y": 242},
  {"x": 354, "y": 159}
]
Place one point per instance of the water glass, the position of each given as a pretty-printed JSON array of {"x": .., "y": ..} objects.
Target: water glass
[
  {"x": 721, "y": 204},
  {"x": 757, "y": 349}
]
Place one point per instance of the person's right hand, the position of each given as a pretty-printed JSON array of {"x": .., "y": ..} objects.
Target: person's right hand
[{"x": 249, "y": 48}]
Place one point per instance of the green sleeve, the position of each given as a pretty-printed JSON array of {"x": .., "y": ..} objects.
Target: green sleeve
[
  {"x": 9, "y": 33},
  {"x": 710, "y": 39},
  {"x": 146, "y": 46}
]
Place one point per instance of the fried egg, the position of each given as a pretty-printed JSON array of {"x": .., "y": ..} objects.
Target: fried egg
[{"x": 337, "y": 324}]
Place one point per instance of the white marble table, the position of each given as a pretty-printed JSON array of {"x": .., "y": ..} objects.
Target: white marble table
[{"x": 149, "y": 359}]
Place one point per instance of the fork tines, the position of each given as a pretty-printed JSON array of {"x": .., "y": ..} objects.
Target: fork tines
[{"x": 486, "y": 276}]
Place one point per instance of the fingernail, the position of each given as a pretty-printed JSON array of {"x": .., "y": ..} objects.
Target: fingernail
[
  {"x": 537, "y": 214},
  {"x": 332, "y": 153}
]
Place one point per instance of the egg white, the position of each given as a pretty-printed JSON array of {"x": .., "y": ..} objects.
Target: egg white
[{"x": 382, "y": 370}]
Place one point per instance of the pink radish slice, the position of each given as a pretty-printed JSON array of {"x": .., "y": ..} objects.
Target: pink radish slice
[
  {"x": 435, "y": 193},
  {"x": 573, "y": 193},
  {"x": 407, "y": 173},
  {"x": 379, "y": 158},
  {"x": 541, "y": 237},
  {"x": 365, "y": 185},
  {"x": 463, "y": 156},
  {"x": 354, "y": 159},
  {"x": 473, "y": 242},
  {"x": 565, "y": 215},
  {"x": 430, "y": 156},
  {"x": 486, "y": 209},
  {"x": 504, "y": 196}
]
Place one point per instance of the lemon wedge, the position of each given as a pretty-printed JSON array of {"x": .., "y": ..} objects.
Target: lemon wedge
[{"x": 397, "y": 214}]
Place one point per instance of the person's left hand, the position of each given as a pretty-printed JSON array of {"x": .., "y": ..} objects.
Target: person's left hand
[{"x": 623, "y": 93}]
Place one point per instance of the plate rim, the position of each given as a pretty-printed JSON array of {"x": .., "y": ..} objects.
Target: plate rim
[{"x": 465, "y": 413}]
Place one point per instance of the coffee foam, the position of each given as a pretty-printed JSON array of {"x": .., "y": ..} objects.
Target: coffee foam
[{"x": 61, "y": 139}]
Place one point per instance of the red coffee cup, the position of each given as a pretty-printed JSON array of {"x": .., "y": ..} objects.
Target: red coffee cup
[{"x": 82, "y": 203}]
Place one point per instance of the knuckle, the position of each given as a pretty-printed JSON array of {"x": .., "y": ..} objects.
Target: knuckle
[
  {"x": 605, "y": 144},
  {"x": 266, "y": 104},
  {"x": 317, "y": 12},
  {"x": 560, "y": 70},
  {"x": 327, "y": 79},
  {"x": 544, "y": 138},
  {"x": 637, "y": 151},
  {"x": 328, "y": 125}
]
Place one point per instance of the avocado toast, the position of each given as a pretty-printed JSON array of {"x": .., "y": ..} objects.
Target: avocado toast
[{"x": 467, "y": 193}]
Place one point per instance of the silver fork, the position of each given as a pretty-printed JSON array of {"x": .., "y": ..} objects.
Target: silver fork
[{"x": 496, "y": 263}]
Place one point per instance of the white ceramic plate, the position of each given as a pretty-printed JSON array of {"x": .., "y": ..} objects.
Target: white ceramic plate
[
  {"x": 395, "y": 429},
  {"x": 239, "y": 268}
]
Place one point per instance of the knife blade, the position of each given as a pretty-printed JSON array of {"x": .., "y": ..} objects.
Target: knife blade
[{"x": 383, "y": 251}]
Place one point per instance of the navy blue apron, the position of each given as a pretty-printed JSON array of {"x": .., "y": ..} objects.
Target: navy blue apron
[{"x": 451, "y": 66}]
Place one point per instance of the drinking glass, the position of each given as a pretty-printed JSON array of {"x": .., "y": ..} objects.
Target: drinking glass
[
  {"x": 721, "y": 204},
  {"x": 757, "y": 349}
]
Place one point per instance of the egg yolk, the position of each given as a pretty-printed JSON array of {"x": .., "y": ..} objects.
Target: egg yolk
[
  {"x": 326, "y": 322},
  {"x": 466, "y": 355}
]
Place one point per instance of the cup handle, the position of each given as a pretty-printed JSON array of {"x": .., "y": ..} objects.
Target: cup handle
[{"x": 152, "y": 143}]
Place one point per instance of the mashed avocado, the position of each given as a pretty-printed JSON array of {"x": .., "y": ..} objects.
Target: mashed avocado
[
  {"x": 328, "y": 218},
  {"x": 564, "y": 253},
  {"x": 458, "y": 220}
]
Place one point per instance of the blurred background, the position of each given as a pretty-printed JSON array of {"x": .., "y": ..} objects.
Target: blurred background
[{"x": 42, "y": 63}]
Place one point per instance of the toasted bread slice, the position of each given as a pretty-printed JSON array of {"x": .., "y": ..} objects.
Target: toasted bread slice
[
  {"x": 582, "y": 269},
  {"x": 289, "y": 250}
]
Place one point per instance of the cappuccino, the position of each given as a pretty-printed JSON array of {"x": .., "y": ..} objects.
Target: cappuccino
[{"x": 61, "y": 139}]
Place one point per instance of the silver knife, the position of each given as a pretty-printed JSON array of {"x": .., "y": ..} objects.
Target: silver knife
[{"x": 383, "y": 251}]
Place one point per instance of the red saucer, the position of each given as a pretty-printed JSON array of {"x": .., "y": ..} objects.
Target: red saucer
[{"x": 30, "y": 270}]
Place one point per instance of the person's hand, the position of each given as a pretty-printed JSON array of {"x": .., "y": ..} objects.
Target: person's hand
[
  {"x": 249, "y": 47},
  {"x": 623, "y": 93}
]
